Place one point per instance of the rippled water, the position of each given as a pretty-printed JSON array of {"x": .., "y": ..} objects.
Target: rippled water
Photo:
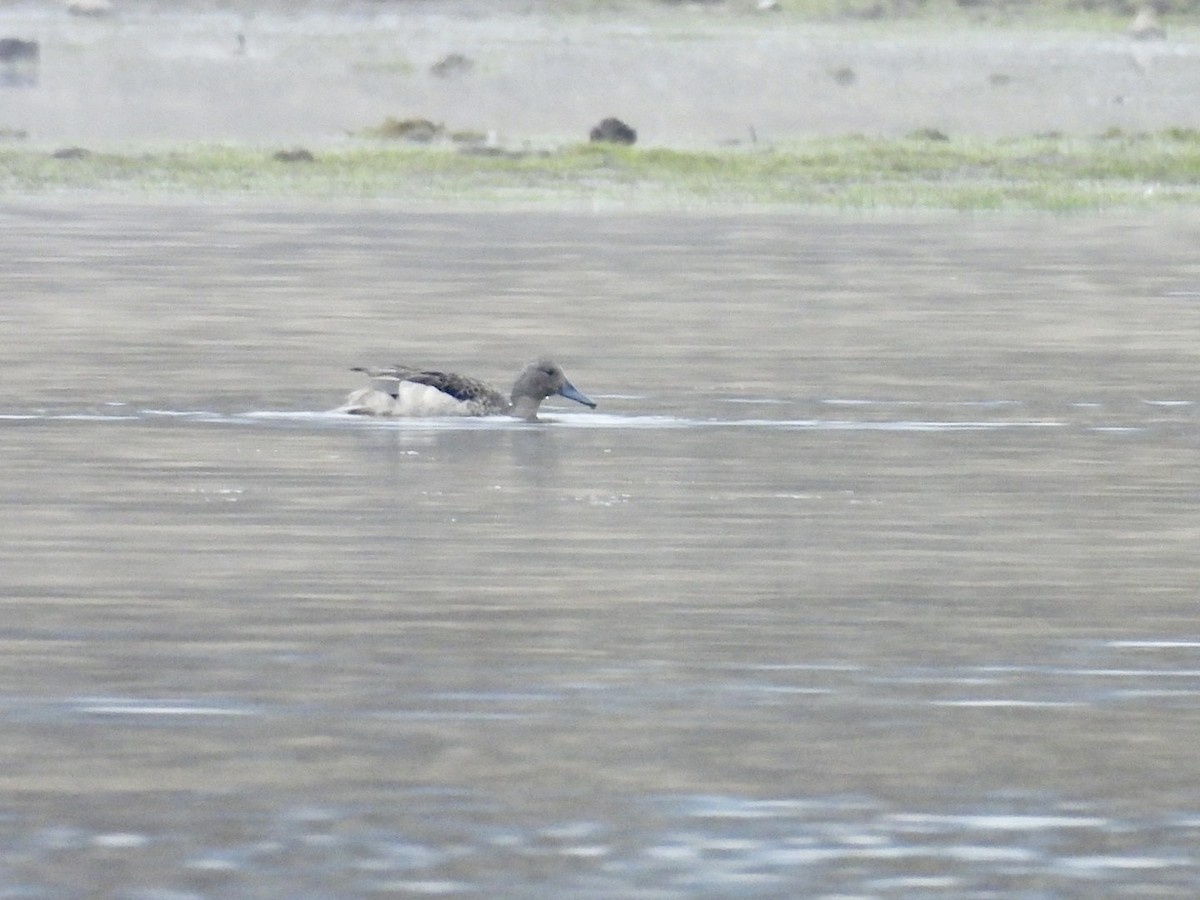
[{"x": 874, "y": 574}]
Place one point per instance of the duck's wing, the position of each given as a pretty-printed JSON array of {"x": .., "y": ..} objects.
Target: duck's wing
[
  {"x": 460, "y": 387},
  {"x": 398, "y": 370},
  {"x": 387, "y": 378},
  {"x": 481, "y": 395}
]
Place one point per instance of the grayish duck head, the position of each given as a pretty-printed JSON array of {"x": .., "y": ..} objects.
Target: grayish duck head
[{"x": 540, "y": 379}]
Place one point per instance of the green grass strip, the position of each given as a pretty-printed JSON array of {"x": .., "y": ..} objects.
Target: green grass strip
[{"x": 922, "y": 171}]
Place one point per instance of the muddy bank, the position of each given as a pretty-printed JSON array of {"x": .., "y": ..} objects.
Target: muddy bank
[{"x": 680, "y": 75}]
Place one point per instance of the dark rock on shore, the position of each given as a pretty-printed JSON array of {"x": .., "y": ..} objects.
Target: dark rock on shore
[
  {"x": 19, "y": 62},
  {"x": 613, "y": 131},
  {"x": 452, "y": 65},
  {"x": 420, "y": 130},
  {"x": 299, "y": 154},
  {"x": 15, "y": 49}
]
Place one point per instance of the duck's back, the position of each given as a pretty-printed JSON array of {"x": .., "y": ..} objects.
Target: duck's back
[
  {"x": 408, "y": 392},
  {"x": 462, "y": 388}
]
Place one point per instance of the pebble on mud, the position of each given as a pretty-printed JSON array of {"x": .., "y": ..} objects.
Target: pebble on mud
[
  {"x": 454, "y": 64},
  {"x": 96, "y": 8},
  {"x": 844, "y": 76},
  {"x": 19, "y": 62},
  {"x": 15, "y": 49}
]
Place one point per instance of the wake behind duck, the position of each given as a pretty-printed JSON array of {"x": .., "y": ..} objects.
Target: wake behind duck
[{"x": 406, "y": 391}]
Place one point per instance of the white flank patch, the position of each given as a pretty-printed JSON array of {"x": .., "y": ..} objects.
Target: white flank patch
[{"x": 422, "y": 400}]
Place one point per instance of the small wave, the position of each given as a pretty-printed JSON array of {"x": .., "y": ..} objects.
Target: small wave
[
  {"x": 1000, "y": 821},
  {"x": 334, "y": 418},
  {"x": 1007, "y": 703},
  {"x": 67, "y": 417},
  {"x": 182, "y": 413},
  {"x": 127, "y": 706},
  {"x": 949, "y": 404},
  {"x": 894, "y": 425}
]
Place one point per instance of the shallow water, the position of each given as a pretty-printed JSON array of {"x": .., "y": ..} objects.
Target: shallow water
[{"x": 874, "y": 574}]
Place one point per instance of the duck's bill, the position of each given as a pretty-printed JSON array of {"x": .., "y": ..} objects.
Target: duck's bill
[{"x": 569, "y": 391}]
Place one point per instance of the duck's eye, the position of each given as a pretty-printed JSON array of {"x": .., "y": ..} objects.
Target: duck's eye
[{"x": 548, "y": 371}]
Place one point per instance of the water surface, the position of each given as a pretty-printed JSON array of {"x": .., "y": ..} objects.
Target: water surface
[{"x": 873, "y": 574}]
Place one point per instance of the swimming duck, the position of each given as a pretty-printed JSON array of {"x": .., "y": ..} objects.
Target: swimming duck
[{"x": 406, "y": 391}]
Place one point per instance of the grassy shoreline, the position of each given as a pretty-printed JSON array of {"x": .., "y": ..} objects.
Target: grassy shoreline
[{"x": 1045, "y": 173}]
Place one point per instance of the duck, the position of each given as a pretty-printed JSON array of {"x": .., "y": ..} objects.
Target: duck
[{"x": 407, "y": 391}]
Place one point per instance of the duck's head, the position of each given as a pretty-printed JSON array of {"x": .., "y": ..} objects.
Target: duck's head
[{"x": 540, "y": 379}]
